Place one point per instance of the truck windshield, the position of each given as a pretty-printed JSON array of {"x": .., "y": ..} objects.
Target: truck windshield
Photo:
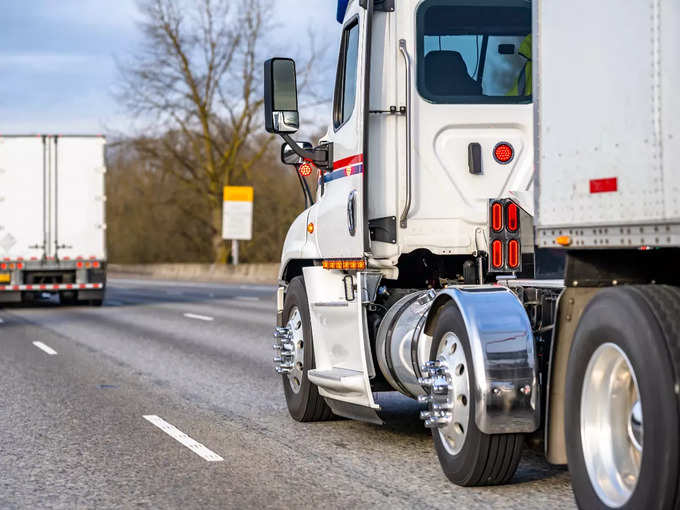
[{"x": 474, "y": 51}]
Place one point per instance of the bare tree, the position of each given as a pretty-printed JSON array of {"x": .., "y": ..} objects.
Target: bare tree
[{"x": 198, "y": 75}]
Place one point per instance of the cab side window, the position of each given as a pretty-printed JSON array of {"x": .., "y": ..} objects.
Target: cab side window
[{"x": 346, "y": 80}]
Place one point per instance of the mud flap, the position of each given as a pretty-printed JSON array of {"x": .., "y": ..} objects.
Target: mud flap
[{"x": 340, "y": 344}]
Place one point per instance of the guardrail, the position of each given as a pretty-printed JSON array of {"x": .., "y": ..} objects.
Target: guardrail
[{"x": 256, "y": 273}]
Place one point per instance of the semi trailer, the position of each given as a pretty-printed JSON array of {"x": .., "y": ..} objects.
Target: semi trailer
[
  {"x": 52, "y": 218},
  {"x": 495, "y": 233}
]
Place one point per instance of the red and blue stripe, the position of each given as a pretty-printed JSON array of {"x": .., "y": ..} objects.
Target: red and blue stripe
[{"x": 346, "y": 167}]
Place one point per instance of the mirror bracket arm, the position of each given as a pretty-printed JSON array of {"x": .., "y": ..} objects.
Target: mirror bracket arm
[{"x": 319, "y": 156}]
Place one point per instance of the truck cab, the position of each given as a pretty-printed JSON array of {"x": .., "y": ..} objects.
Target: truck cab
[
  {"x": 447, "y": 124},
  {"x": 430, "y": 133}
]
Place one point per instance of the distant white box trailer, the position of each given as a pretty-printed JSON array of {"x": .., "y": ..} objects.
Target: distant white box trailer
[{"x": 52, "y": 217}]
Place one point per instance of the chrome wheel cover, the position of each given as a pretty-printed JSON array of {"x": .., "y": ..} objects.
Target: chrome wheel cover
[
  {"x": 297, "y": 337},
  {"x": 452, "y": 355},
  {"x": 611, "y": 425}
]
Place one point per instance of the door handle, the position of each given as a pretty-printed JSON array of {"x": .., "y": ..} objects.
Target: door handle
[{"x": 351, "y": 213}]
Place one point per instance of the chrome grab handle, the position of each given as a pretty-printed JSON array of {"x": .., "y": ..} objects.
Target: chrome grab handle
[
  {"x": 351, "y": 212},
  {"x": 407, "y": 61}
]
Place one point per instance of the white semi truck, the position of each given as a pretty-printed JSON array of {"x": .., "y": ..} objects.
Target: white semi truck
[
  {"x": 52, "y": 226},
  {"x": 495, "y": 233}
]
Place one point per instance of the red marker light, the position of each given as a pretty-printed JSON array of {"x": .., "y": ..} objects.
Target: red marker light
[
  {"x": 513, "y": 254},
  {"x": 497, "y": 254},
  {"x": 503, "y": 153},
  {"x": 496, "y": 217},
  {"x": 306, "y": 169},
  {"x": 513, "y": 217}
]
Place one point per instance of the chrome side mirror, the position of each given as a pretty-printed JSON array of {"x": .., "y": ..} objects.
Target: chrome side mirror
[
  {"x": 280, "y": 96},
  {"x": 290, "y": 157}
]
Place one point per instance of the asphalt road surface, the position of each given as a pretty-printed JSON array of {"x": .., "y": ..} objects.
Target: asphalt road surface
[{"x": 166, "y": 398}]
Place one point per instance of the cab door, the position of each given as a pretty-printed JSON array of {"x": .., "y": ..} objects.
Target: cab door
[{"x": 340, "y": 221}]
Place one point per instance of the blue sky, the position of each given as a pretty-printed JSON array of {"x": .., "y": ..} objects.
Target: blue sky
[{"x": 58, "y": 59}]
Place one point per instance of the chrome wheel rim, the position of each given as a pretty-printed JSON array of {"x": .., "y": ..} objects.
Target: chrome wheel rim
[
  {"x": 611, "y": 425},
  {"x": 452, "y": 355},
  {"x": 295, "y": 327}
]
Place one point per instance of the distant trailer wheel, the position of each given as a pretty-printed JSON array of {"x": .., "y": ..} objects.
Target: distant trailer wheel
[
  {"x": 622, "y": 410},
  {"x": 467, "y": 456},
  {"x": 303, "y": 399}
]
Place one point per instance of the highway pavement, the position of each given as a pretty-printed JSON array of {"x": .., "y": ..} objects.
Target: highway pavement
[{"x": 165, "y": 397}]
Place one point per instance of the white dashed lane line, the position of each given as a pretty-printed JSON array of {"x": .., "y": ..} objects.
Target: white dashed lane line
[
  {"x": 198, "y": 317},
  {"x": 246, "y": 298},
  {"x": 45, "y": 348},
  {"x": 181, "y": 437}
]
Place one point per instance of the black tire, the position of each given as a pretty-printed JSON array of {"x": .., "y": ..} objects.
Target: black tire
[
  {"x": 644, "y": 322},
  {"x": 484, "y": 459},
  {"x": 306, "y": 405}
]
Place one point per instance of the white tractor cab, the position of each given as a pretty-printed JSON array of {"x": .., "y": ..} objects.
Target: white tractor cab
[
  {"x": 423, "y": 268},
  {"x": 395, "y": 250}
]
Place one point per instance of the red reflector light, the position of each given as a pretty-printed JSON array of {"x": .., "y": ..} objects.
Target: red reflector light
[
  {"x": 497, "y": 217},
  {"x": 503, "y": 153},
  {"x": 497, "y": 254},
  {"x": 305, "y": 169},
  {"x": 513, "y": 217},
  {"x": 513, "y": 254}
]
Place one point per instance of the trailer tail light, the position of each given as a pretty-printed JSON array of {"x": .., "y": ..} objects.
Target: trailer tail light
[
  {"x": 79, "y": 264},
  {"x": 497, "y": 254},
  {"x": 503, "y": 153},
  {"x": 513, "y": 217},
  {"x": 3, "y": 266},
  {"x": 345, "y": 264},
  {"x": 20, "y": 265},
  {"x": 497, "y": 217},
  {"x": 95, "y": 264},
  {"x": 513, "y": 254}
]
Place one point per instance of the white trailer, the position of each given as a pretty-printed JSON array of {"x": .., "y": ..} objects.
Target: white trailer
[
  {"x": 52, "y": 218},
  {"x": 522, "y": 308}
]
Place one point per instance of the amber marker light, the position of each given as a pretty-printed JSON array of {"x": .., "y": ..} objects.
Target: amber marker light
[
  {"x": 563, "y": 240},
  {"x": 310, "y": 228}
]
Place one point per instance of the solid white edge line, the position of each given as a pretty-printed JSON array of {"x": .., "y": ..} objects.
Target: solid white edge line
[
  {"x": 2, "y": 321},
  {"x": 182, "y": 438},
  {"x": 45, "y": 348},
  {"x": 198, "y": 317}
]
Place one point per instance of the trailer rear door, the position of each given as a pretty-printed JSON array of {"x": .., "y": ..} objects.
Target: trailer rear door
[
  {"x": 22, "y": 194},
  {"x": 80, "y": 199}
]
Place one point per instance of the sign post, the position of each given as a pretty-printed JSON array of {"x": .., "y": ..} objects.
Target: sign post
[{"x": 237, "y": 216}]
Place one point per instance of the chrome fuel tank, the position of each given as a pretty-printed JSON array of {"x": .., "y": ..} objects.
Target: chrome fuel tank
[{"x": 402, "y": 347}]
